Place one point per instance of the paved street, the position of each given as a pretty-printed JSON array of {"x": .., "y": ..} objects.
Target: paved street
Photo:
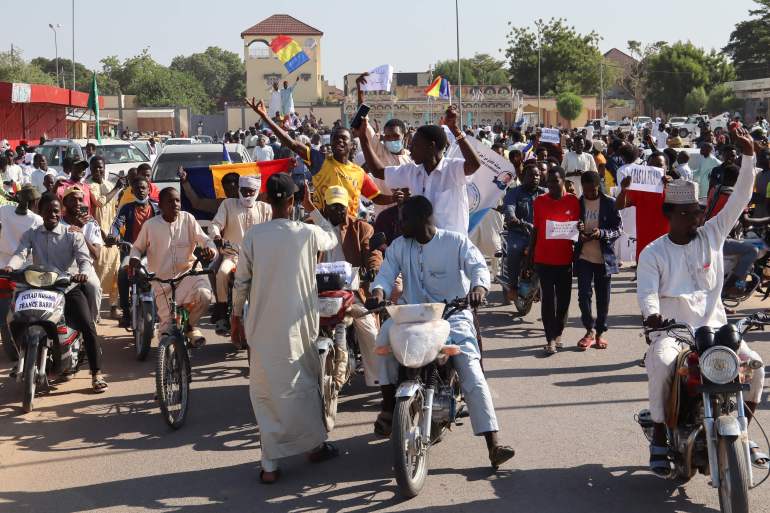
[{"x": 570, "y": 418}]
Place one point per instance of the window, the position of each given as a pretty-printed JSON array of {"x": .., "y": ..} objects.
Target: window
[
  {"x": 122, "y": 154},
  {"x": 259, "y": 50}
]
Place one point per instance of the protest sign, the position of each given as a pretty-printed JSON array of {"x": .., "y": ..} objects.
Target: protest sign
[
  {"x": 565, "y": 230},
  {"x": 643, "y": 178},
  {"x": 550, "y": 135},
  {"x": 379, "y": 79}
]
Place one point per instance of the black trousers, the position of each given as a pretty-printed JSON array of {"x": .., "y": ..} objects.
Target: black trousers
[
  {"x": 79, "y": 316},
  {"x": 556, "y": 291},
  {"x": 588, "y": 273}
]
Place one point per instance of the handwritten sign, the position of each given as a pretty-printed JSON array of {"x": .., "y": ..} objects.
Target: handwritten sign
[
  {"x": 37, "y": 300},
  {"x": 643, "y": 178},
  {"x": 564, "y": 230},
  {"x": 550, "y": 135},
  {"x": 379, "y": 79}
]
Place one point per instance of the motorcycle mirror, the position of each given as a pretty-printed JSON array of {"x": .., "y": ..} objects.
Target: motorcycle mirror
[{"x": 62, "y": 281}]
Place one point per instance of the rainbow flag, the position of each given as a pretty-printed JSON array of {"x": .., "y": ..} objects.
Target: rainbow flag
[
  {"x": 289, "y": 52},
  {"x": 207, "y": 181},
  {"x": 439, "y": 88}
]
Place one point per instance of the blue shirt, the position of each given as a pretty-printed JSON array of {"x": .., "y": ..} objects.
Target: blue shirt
[
  {"x": 518, "y": 202},
  {"x": 445, "y": 268}
]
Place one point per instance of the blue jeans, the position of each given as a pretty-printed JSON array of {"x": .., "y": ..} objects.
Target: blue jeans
[
  {"x": 592, "y": 276},
  {"x": 515, "y": 245},
  {"x": 747, "y": 253}
]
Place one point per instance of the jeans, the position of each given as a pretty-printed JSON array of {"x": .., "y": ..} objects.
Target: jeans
[
  {"x": 514, "y": 249},
  {"x": 588, "y": 272},
  {"x": 79, "y": 315},
  {"x": 556, "y": 291},
  {"x": 746, "y": 252}
]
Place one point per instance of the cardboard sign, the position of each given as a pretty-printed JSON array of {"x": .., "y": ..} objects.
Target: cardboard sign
[
  {"x": 379, "y": 79},
  {"x": 36, "y": 300},
  {"x": 550, "y": 135},
  {"x": 564, "y": 230}
]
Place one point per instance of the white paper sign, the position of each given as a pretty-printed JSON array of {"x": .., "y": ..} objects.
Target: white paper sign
[
  {"x": 36, "y": 300},
  {"x": 550, "y": 135},
  {"x": 21, "y": 93},
  {"x": 643, "y": 178},
  {"x": 565, "y": 230},
  {"x": 379, "y": 79}
]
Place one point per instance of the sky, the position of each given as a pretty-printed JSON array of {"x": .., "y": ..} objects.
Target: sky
[{"x": 358, "y": 35}]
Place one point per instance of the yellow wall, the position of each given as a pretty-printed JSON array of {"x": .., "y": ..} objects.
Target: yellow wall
[{"x": 308, "y": 90}]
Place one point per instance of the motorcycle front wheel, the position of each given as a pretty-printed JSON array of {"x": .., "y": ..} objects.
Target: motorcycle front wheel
[
  {"x": 733, "y": 476},
  {"x": 30, "y": 371},
  {"x": 144, "y": 327},
  {"x": 410, "y": 459},
  {"x": 172, "y": 381},
  {"x": 329, "y": 390}
]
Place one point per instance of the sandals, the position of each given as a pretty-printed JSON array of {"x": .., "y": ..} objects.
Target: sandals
[
  {"x": 384, "y": 424},
  {"x": 98, "y": 384},
  {"x": 500, "y": 454},
  {"x": 601, "y": 343},
  {"x": 759, "y": 459},
  {"x": 558, "y": 343},
  {"x": 659, "y": 462},
  {"x": 586, "y": 342},
  {"x": 325, "y": 453},
  {"x": 550, "y": 348},
  {"x": 276, "y": 476}
]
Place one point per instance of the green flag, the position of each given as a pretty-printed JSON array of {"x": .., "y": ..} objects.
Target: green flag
[{"x": 93, "y": 104}]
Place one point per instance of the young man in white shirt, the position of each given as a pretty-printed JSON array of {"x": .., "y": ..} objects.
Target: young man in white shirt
[
  {"x": 262, "y": 151},
  {"x": 577, "y": 162},
  {"x": 440, "y": 179}
]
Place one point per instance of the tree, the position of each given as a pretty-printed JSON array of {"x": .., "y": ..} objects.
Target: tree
[
  {"x": 569, "y": 105},
  {"x": 634, "y": 79},
  {"x": 695, "y": 101},
  {"x": 221, "y": 73},
  {"x": 570, "y": 61},
  {"x": 82, "y": 74},
  {"x": 722, "y": 99},
  {"x": 676, "y": 69},
  {"x": 481, "y": 69},
  {"x": 749, "y": 42},
  {"x": 13, "y": 68}
]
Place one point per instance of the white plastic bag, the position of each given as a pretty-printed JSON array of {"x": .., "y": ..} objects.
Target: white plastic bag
[
  {"x": 423, "y": 312},
  {"x": 416, "y": 344}
]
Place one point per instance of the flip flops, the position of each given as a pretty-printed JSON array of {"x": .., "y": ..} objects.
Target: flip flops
[
  {"x": 586, "y": 342},
  {"x": 759, "y": 459}
]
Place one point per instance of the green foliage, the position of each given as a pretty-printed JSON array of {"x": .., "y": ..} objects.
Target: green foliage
[
  {"x": 569, "y": 105},
  {"x": 748, "y": 45},
  {"x": 695, "y": 100},
  {"x": 481, "y": 69},
  {"x": 677, "y": 69},
  {"x": 13, "y": 68},
  {"x": 82, "y": 74},
  {"x": 721, "y": 99},
  {"x": 221, "y": 73},
  {"x": 570, "y": 61}
]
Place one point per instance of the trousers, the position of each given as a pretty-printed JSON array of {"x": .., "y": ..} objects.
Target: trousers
[
  {"x": 556, "y": 292},
  {"x": 366, "y": 333},
  {"x": 229, "y": 262},
  {"x": 592, "y": 277},
  {"x": 660, "y": 363},
  {"x": 107, "y": 272},
  {"x": 514, "y": 252},
  {"x": 193, "y": 292},
  {"x": 746, "y": 252},
  {"x": 79, "y": 315}
]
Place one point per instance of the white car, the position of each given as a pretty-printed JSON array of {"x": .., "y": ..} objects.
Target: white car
[
  {"x": 677, "y": 121},
  {"x": 180, "y": 141},
  {"x": 642, "y": 122},
  {"x": 166, "y": 165},
  {"x": 119, "y": 156}
]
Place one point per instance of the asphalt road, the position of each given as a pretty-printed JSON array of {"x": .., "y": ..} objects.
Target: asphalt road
[{"x": 569, "y": 416}]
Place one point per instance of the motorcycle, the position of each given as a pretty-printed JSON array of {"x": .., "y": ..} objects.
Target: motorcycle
[
  {"x": 707, "y": 426},
  {"x": 143, "y": 313},
  {"x": 48, "y": 348},
  {"x": 528, "y": 287}
]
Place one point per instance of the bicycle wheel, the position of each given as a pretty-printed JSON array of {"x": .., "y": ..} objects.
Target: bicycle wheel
[{"x": 172, "y": 380}]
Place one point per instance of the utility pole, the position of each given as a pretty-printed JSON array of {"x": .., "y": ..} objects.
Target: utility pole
[
  {"x": 539, "y": 58},
  {"x": 601, "y": 85},
  {"x": 73, "y": 45},
  {"x": 56, "y": 49},
  {"x": 459, "y": 74}
]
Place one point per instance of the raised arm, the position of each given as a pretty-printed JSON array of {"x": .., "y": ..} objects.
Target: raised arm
[
  {"x": 360, "y": 81},
  {"x": 472, "y": 162},
  {"x": 373, "y": 162},
  {"x": 203, "y": 204},
  {"x": 295, "y": 146}
]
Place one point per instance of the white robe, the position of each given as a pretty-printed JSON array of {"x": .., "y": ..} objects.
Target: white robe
[{"x": 276, "y": 273}]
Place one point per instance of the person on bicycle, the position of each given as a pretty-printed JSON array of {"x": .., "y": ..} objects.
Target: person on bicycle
[
  {"x": 519, "y": 216},
  {"x": 55, "y": 247},
  {"x": 437, "y": 266},
  {"x": 126, "y": 227},
  {"x": 169, "y": 241},
  {"x": 680, "y": 276},
  {"x": 233, "y": 219}
]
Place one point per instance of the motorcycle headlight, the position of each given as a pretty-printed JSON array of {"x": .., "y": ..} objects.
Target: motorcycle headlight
[
  {"x": 40, "y": 278},
  {"x": 719, "y": 365}
]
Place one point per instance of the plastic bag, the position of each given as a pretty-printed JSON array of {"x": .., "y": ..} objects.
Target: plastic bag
[
  {"x": 417, "y": 344},
  {"x": 424, "y": 312}
]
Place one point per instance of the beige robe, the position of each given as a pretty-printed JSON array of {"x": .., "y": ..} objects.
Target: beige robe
[{"x": 276, "y": 274}]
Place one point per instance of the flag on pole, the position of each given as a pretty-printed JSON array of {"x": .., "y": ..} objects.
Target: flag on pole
[
  {"x": 225, "y": 155},
  {"x": 289, "y": 52},
  {"x": 439, "y": 88},
  {"x": 93, "y": 104}
]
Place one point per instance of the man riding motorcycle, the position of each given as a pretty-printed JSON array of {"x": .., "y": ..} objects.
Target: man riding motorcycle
[
  {"x": 680, "y": 275},
  {"x": 439, "y": 265}
]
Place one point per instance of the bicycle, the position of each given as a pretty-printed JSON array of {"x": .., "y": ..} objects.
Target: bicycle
[{"x": 173, "y": 374}]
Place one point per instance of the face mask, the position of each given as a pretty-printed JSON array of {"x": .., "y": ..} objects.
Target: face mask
[
  {"x": 248, "y": 201},
  {"x": 142, "y": 201},
  {"x": 394, "y": 146}
]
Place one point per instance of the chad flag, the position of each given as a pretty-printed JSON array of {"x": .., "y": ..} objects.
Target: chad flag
[
  {"x": 289, "y": 52},
  {"x": 207, "y": 181}
]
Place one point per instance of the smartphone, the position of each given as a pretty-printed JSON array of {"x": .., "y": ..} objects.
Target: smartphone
[{"x": 363, "y": 111}]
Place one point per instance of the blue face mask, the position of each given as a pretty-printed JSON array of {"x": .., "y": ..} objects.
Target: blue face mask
[
  {"x": 142, "y": 201},
  {"x": 394, "y": 146}
]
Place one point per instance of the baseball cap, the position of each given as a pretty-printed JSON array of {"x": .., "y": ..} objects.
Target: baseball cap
[
  {"x": 336, "y": 194},
  {"x": 280, "y": 186}
]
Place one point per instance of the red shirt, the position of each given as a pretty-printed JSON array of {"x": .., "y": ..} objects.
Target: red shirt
[
  {"x": 87, "y": 197},
  {"x": 650, "y": 221},
  {"x": 141, "y": 214},
  {"x": 566, "y": 208}
]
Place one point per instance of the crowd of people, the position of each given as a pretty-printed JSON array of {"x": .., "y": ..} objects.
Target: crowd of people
[{"x": 562, "y": 214}]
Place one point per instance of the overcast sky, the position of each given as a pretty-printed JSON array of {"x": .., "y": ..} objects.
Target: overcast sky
[{"x": 409, "y": 34}]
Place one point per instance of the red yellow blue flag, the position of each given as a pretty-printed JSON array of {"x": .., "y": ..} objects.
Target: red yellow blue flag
[
  {"x": 289, "y": 52},
  {"x": 439, "y": 88}
]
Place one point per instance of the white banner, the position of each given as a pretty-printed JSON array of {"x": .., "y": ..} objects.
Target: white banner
[
  {"x": 643, "y": 178},
  {"x": 379, "y": 79},
  {"x": 21, "y": 93},
  {"x": 566, "y": 230},
  {"x": 36, "y": 300},
  {"x": 550, "y": 135}
]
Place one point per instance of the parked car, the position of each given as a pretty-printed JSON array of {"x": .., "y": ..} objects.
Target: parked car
[
  {"x": 165, "y": 167},
  {"x": 144, "y": 146},
  {"x": 642, "y": 122},
  {"x": 692, "y": 126},
  {"x": 625, "y": 125},
  {"x": 57, "y": 149},
  {"x": 677, "y": 121},
  {"x": 119, "y": 155}
]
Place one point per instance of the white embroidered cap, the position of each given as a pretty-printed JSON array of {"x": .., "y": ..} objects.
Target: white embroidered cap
[{"x": 681, "y": 192}]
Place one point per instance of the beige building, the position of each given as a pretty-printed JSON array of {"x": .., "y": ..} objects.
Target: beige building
[
  {"x": 263, "y": 68},
  {"x": 125, "y": 110}
]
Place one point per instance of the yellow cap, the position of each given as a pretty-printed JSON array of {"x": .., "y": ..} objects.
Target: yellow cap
[{"x": 336, "y": 194}]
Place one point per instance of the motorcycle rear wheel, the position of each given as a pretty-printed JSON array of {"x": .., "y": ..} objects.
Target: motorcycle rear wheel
[
  {"x": 733, "y": 476},
  {"x": 172, "y": 381},
  {"x": 30, "y": 372},
  {"x": 144, "y": 331},
  {"x": 329, "y": 389},
  {"x": 410, "y": 462}
]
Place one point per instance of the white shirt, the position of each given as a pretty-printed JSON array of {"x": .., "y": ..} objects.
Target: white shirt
[
  {"x": 13, "y": 173},
  {"x": 275, "y": 103},
  {"x": 574, "y": 162},
  {"x": 684, "y": 171},
  {"x": 12, "y": 226},
  {"x": 445, "y": 187},
  {"x": 91, "y": 232},
  {"x": 684, "y": 282},
  {"x": 251, "y": 140},
  {"x": 262, "y": 153}
]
